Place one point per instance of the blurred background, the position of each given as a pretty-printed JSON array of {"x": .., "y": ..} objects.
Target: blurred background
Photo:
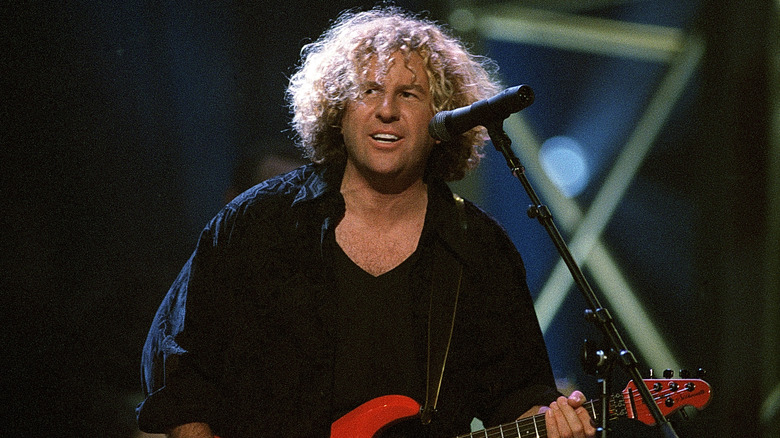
[{"x": 654, "y": 139}]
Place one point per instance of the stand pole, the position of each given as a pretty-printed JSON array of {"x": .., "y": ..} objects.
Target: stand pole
[
  {"x": 600, "y": 316},
  {"x": 599, "y": 363},
  {"x": 605, "y": 391}
]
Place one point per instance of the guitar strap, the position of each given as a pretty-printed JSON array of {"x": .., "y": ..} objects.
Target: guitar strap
[{"x": 445, "y": 288}]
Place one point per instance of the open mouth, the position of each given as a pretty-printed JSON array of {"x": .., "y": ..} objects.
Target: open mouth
[{"x": 385, "y": 138}]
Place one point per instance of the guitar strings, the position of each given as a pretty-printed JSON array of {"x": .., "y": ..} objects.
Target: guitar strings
[{"x": 533, "y": 426}]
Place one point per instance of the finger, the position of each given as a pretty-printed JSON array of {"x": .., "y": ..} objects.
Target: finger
[
  {"x": 573, "y": 422},
  {"x": 576, "y": 399},
  {"x": 550, "y": 422},
  {"x": 562, "y": 419},
  {"x": 589, "y": 425}
]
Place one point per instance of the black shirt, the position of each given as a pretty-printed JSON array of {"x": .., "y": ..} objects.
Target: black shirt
[{"x": 379, "y": 334}]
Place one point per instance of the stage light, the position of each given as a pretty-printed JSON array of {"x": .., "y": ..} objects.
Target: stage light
[{"x": 563, "y": 160}]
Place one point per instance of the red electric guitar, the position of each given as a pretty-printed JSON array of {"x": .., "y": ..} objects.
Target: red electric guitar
[{"x": 370, "y": 418}]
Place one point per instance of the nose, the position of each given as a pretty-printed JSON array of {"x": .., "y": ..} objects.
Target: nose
[{"x": 388, "y": 110}]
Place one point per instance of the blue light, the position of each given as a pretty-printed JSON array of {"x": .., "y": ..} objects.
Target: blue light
[{"x": 563, "y": 160}]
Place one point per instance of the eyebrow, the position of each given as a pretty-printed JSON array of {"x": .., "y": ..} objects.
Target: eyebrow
[{"x": 415, "y": 87}]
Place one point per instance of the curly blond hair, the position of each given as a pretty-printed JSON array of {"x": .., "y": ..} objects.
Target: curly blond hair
[{"x": 332, "y": 68}]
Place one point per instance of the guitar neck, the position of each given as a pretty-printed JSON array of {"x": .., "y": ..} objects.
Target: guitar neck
[{"x": 535, "y": 427}]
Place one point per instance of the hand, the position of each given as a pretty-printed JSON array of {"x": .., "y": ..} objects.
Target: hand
[
  {"x": 190, "y": 430},
  {"x": 566, "y": 418}
]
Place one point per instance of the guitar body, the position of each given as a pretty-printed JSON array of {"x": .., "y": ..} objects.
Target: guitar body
[{"x": 370, "y": 418}]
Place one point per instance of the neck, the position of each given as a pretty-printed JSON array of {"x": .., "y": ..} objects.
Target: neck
[
  {"x": 533, "y": 426},
  {"x": 368, "y": 198}
]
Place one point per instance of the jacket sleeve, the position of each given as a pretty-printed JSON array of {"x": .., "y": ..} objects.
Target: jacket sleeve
[{"x": 180, "y": 364}]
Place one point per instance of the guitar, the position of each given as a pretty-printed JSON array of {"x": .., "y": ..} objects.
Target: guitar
[{"x": 370, "y": 418}]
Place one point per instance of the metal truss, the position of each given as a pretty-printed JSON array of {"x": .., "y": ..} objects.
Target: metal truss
[{"x": 683, "y": 53}]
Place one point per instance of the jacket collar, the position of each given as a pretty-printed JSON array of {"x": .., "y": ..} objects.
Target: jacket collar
[
  {"x": 442, "y": 219},
  {"x": 318, "y": 181}
]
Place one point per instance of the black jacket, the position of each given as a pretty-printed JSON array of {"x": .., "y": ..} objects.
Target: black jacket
[{"x": 242, "y": 340}]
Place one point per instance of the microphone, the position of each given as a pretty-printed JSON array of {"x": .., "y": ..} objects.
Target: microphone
[{"x": 446, "y": 125}]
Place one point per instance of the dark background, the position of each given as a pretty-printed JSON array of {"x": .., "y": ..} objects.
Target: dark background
[{"x": 122, "y": 123}]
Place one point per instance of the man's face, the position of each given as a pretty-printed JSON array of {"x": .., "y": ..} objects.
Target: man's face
[{"x": 386, "y": 128}]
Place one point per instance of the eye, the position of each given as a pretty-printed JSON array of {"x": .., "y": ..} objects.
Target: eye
[
  {"x": 409, "y": 95},
  {"x": 370, "y": 91}
]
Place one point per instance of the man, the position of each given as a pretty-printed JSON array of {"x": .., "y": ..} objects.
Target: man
[{"x": 311, "y": 293}]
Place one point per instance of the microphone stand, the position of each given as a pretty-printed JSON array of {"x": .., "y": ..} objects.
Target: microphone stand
[{"x": 597, "y": 313}]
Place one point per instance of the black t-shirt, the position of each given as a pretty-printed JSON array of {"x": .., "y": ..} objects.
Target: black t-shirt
[{"x": 378, "y": 335}]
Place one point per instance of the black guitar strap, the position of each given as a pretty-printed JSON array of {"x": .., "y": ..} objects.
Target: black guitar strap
[{"x": 445, "y": 288}]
